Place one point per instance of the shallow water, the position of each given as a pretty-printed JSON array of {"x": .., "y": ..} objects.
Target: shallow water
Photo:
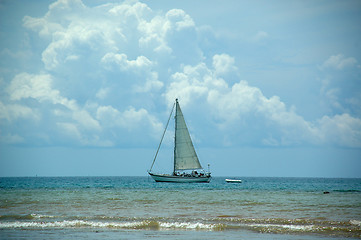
[{"x": 138, "y": 207}]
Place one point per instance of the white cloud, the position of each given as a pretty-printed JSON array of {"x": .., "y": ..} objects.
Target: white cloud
[
  {"x": 102, "y": 93},
  {"x": 86, "y": 120},
  {"x": 26, "y": 85},
  {"x": 189, "y": 84},
  {"x": 157, "y": 32},
  {"x": 12, "y": 112},
  {"x": 342, "y": 130},
  {"x": 130, "y": 119},
  {"x": 223, "y": 63},
  {"x": 340, "y": 84},
  {"x": 121, "y": 60},
  {"x": 108, "y": 116},
  {"x": 130, "y": 12},
  {"x": 42, "y": 26},
  {"x": 179, "y": 19},
  {"x": 172, "y": 38},
  {"x": 73, "y": 121},
  {"x": 339, "y": 62},
  {"x": 66, "y": 6},
  {"x": 70, "y": 129},
  {"x": 78, "y": 41},
  {"x": 153, "y": 35},
  {"x": 61, "y": 13},
  {"x": 39, "y": 87},
  {"x": 137, "y": 125},
  {"x": 232, "y": 103},
  {"x": 108, "y": 69},
  {"x": 75, "y": 32},
  {"x": 244, "y": 109},
  {"x": 244, "y": 106},
  {"x": 152, "y": 84},
  {"x": 72, "y": 58},
  {"x": 140, "y": 67}
]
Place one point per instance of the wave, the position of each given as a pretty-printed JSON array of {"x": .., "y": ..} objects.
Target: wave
[
  {"x": 147, "y": 224},
  {"x": 24, "y": 217},
  {"x": 356, "y": 222},
  {"x": 348, "y": 190},
  {"x": 221, "y": 223}
]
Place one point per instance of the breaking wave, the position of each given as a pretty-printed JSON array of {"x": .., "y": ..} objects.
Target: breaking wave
[
  {"x": 350, "y": 228},
  {"x": 146, "y": 224}
]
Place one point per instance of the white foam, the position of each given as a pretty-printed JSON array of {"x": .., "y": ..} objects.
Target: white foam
[
  {"x": 356, "y": 222},
  {"x": 37, "y": 216},
  {"x": 93, "y": 224},
  {"x": 67, "y": 224},
  {"x": 186, "y": 225},
  {"x": 284, "y": 226}
]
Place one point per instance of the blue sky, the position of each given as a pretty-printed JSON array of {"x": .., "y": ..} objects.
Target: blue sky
[{"x": 267, "y": 88}]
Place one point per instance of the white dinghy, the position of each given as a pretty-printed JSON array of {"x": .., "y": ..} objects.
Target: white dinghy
[{"x": 233, "y": 180}]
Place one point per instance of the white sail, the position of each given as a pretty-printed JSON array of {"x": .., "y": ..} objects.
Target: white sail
[{"x": 185, "y": 157}]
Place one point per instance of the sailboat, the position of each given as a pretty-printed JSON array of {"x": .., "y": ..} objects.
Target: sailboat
[{"x": 187, "y": 168}]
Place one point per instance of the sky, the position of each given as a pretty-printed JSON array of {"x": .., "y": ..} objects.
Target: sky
[{"x": 267, "y": 88}]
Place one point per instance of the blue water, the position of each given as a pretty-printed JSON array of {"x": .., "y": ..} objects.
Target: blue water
[{"x": 138, "y": 207}]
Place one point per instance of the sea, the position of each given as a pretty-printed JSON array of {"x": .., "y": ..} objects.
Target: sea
[{"x": 140, "y": 208}]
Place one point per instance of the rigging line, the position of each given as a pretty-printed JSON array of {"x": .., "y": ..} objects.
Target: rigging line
[{"x": 156, "y": 154}]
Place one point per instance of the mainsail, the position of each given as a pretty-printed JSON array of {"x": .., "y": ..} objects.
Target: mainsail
[{"x": 185, "y": 157}]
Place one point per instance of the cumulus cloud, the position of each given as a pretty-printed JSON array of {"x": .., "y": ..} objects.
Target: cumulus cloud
[
  {"x": 11, "y": 112},
  {"x": 121, "y": 61},
  {"x": 82, "y": 124},
  {"x": 79, "y": 39},
  {"x": 152, "y": 84},
  {"x": 242, "y": 109},
  {"x": 110, "y": 71},
  {"x": 38, "y": 87},
  {"x": 102, "y": 93},
  {"x": 157, "y": 32},
  {"x": 340, "y": 84},
  {"x": 129, "y": 119},
  {"x": 179, "y": 19},
  {"x": 343, "y": 130},
  {"x": 77, "y": 32},
  {"x": 137, "y": 125},
  {"x": 223, "y": 63},
  {"x": 339, "y": 62}
]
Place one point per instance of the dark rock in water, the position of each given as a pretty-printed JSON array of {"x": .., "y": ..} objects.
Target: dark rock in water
[{"x": 326, "y": 192}]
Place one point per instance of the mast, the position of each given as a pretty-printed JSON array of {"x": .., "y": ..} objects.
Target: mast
[{"x": 175, "y": 135}]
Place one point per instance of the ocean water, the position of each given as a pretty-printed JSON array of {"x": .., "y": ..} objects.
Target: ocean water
[{"x": 139, "y": 208}]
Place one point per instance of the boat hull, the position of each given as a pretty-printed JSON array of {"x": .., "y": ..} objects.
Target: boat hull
[{"x": 179, "y": 179}]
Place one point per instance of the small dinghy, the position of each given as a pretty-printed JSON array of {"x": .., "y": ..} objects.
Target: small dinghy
[{"x": 233, "y": 180}]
